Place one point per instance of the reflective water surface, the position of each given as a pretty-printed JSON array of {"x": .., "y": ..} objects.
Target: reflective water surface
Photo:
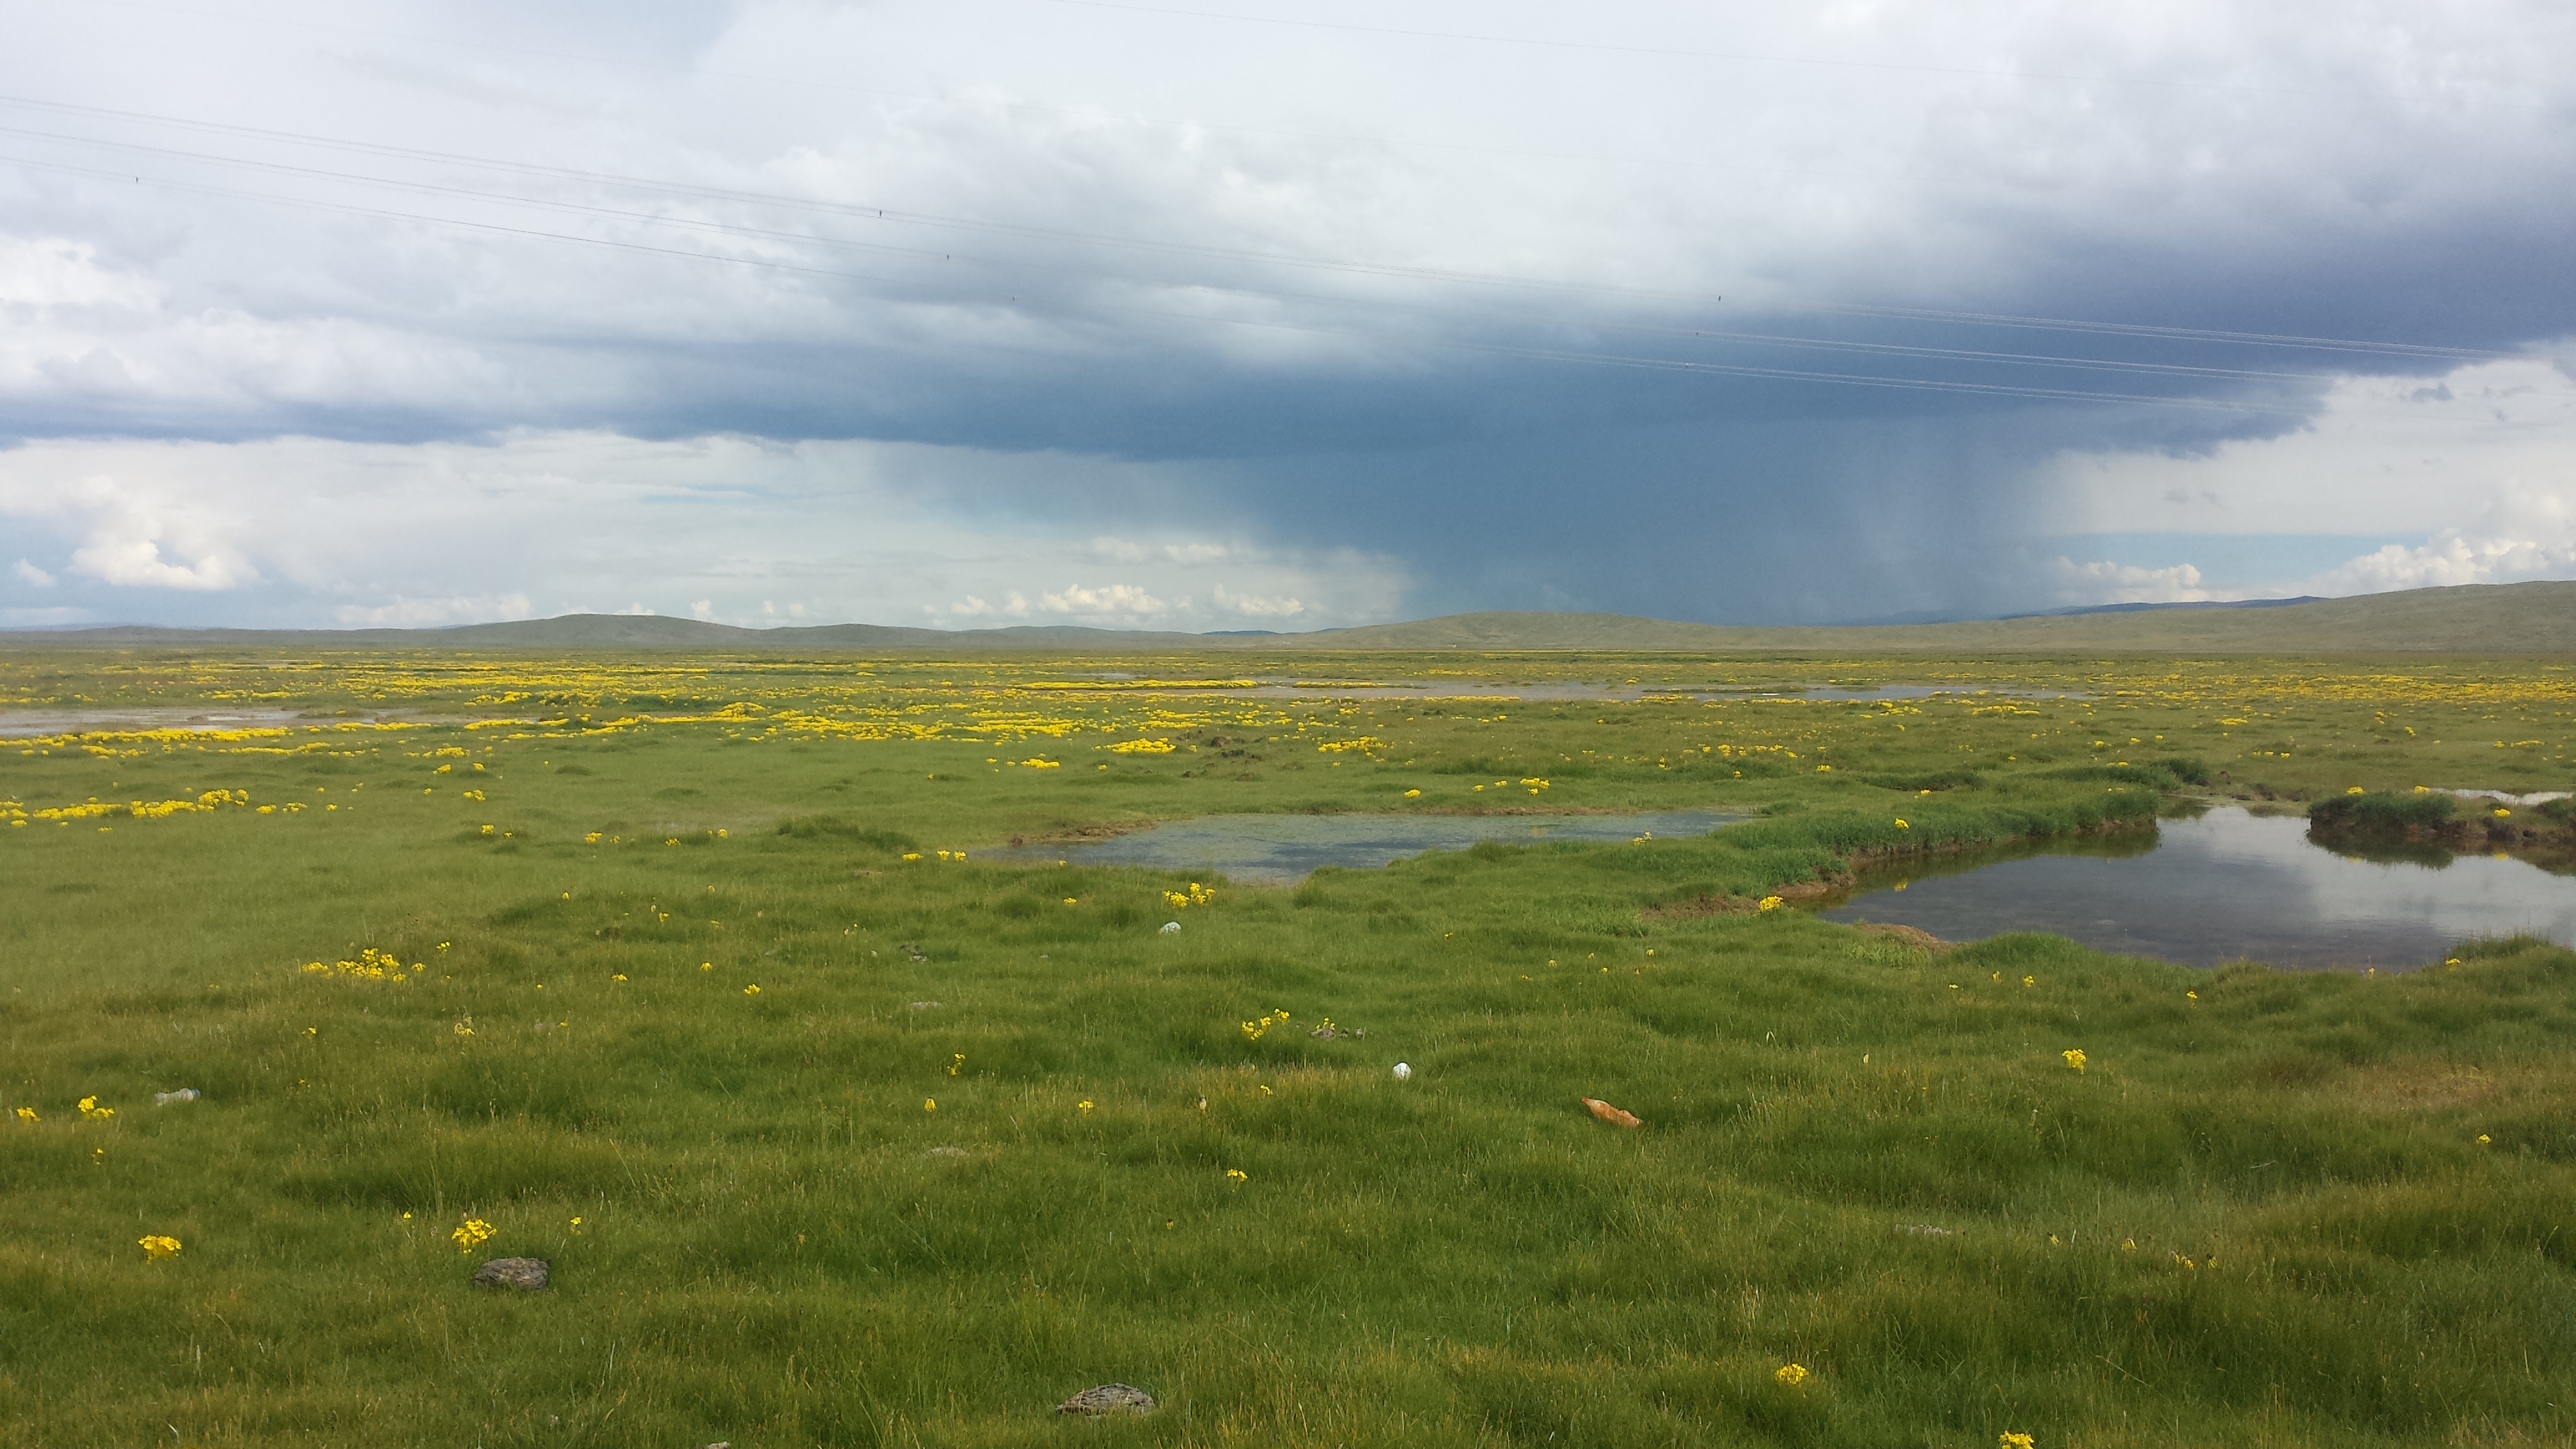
[
  {"x": 2223, "y": 887},
  {"x": 19, "y": 724},
  {"x": 1285, "y": 849}
]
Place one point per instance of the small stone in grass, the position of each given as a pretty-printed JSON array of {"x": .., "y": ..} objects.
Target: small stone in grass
[
  {"x": 1109, "y": 1399},
  {"x": 525, "y": 1274}
]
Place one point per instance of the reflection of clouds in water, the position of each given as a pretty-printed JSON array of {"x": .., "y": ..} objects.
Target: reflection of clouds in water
[
  {"x": 2232, "y": 885},
  {"x": 2469, "y": 895}
]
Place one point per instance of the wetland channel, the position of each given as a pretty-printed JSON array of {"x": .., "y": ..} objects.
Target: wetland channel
[
  {"x": 2223, "y": 886},
  {"x": 1281, "y": 850}
]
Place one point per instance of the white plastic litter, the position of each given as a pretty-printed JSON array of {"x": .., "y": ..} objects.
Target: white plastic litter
[
  {"x": 1171, "y": 928},
  {"x": 164, "y": 1099},
  {"x": 1403, "y": 1072}
]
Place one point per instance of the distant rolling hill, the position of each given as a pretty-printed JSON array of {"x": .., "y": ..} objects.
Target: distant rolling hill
[{"x": 2528, "y": 618}]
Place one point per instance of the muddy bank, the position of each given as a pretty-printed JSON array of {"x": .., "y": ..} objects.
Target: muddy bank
[
  {"x": 1839, "y": 882},
  {"x": 2436, "y": 823}
]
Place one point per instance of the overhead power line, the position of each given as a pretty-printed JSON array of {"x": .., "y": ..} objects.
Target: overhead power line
[
  {"x": 1691, "y": 53},
  {"x": 894, "y": 215},
  {"x": 1036, "y": 303},
  {"x": 1082, "y": 113},
  {"x": 708, "y": 226}
]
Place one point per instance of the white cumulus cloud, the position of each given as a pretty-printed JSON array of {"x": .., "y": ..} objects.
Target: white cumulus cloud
[
  {"x": 1126, "y": 601},
  {"x": 2103, "y": 582},
  {"x": 404, "y": 613}
]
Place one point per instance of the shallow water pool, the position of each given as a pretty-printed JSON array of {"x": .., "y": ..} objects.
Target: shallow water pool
[
  {"x": 1285, "y": 849},
  {"x": 2223, "y": 887}
]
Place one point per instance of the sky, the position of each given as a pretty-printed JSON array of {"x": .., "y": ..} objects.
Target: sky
[{"x": 1245, "y": 314}]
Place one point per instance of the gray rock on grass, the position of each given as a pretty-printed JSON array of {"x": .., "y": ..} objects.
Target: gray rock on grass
[
  {"x": 527, "y": 1275},
  {"x": 1109, "y": 1399}
]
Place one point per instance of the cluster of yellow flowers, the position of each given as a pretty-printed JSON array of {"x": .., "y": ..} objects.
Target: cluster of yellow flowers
[
  {"x": 1196, "y": 895},
  {"x": 94, "y": 809},
  {"x": 1140, "y": 747},
  {"x": 1033, "y": 762},
  {"x": 1234, "y": 1177},
  {"x": 28, "y": 1114},
  {"x": 372, "y": 964},
  {"x": 471, "y": 1234},
  {"x": 157, "y": 1246},
  {"x": 90, "y": 1108},
  {"x": 1769, "y": 903},
  {"x": 1790, "y": 1375},
  {"x": 2074, "y": 1058},
  {"x": 1255, "y": 1030}
]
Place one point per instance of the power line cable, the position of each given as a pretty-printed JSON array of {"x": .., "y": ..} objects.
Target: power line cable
[
  {"x": 704, "y": 225},
  {"x": 894, "y": 215},
  {"x": 1044, "y": 304},
  {"x": 1684, "y": 53},
  {"x": 1088, "y": 113}
]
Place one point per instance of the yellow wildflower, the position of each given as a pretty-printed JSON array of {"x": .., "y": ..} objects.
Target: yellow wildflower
[
  {"x": 1084, "y": 1106},
  {"x": 930, "y": 1104},
  {"x": 90, "y": 1108},
  {"x": 1770, "y": 903},
  {"x": 2074, "y": 1057},
  {"x": 158, "y": 1245},
  {"x": 2015, "y": 1441},
  {"x": 472, "y": 1234},
  {"x": 751, "y": 991},
  {"x": 1790, "y": 1375},
  {"x": 1234, "y": 1176}
]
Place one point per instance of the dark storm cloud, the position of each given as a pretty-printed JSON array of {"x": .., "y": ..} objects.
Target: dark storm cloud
[{"x": 1062, "y": 279}]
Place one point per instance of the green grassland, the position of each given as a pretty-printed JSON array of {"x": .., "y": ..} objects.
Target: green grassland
[{"x": 969, "y": 1145}]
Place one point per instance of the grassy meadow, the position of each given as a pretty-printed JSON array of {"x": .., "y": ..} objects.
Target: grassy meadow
[{"x": 687, "y": 973}]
